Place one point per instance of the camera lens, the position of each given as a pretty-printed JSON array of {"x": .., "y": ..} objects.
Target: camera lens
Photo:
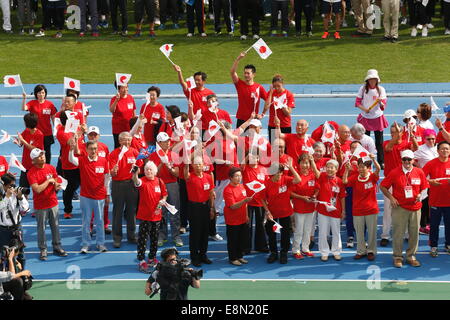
[{"x": 25, "y": 191}]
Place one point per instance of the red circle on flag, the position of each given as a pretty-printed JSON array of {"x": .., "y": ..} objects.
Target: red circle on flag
[
  {"x": 11, "y": 81},
  {"x": 262, "y": 49},
  {"x": 274, "y": 228},
  {"x": 261, "y": 141},
  {"x": 161, "y": 153},
  {"x": 59, "y": 180},
  {"x": 328, "y": 134},
  {"x": 188, "y": 84},
  {"x": 72, "y": 84},
  {"x": 363, "y": 154},
  {"x": 257, "y": 185},
  {"x": 213, "y": 128},
  {"x": 123, "y": 79},
  {"x": 167, "y": 47}
]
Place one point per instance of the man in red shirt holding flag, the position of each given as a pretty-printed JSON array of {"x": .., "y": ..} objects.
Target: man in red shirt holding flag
[{"x": 122, "y": 107}]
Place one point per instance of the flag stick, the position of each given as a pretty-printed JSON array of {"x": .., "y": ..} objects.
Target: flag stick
[
  {"x": 170, "y": 60},
  {"x": 248, "y": 49},
  {"x": 23, "y": 89}
]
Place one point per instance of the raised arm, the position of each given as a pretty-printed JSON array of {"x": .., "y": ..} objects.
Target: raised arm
[
  {"x": 180, "y": 77},
  {"x": 233, "y": 73},
  {"x": 24, "y": 103}
]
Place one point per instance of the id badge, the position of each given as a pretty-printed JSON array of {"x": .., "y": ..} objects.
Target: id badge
[
  {"x": 333, "y": 201},
  {"x": 408, "y": 192}
]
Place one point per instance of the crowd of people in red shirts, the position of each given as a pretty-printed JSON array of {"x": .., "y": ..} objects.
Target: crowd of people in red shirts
[{"x": 183, "y": 169}]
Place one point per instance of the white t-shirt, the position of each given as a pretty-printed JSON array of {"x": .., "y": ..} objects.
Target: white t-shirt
[
  {"x": 426, "y": 124},
  {"x": 425, "y": 154},
  {"x": 369, "y": 98},
  {"x": 367, "y": 143}
]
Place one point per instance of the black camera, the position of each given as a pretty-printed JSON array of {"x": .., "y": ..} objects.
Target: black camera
[
  {"x": 25, "y": 191},
  {"x": 134, "y": 169}
]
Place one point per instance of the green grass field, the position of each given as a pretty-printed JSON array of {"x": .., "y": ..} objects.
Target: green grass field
[{"x": 299, "y": 60}]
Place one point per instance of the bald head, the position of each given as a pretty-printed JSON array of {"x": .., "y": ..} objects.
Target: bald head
[
  {"x": 344, "y": 132},
  {"x": 302, "y": 127}
]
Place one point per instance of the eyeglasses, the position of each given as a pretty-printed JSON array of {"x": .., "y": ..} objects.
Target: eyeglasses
[
  {"x": 407, "y": 159},
  {"x": 429, "y": 139}
]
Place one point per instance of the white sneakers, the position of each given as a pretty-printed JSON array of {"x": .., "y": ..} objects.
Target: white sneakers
[
  {"x": 414, "y": 32},
  {"x": 255, "y": 36},
  {"x": 425, "y": 32},
  {"x": 217, "y": 237},
  {"x": 189, "y": 35},
  {"x": 243, "y": 37},
  {"x": 447, "y": 31}
]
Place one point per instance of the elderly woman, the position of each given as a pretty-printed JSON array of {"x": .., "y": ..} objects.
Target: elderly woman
[
  {"x": 318, "y": 155},
  {"x": 425, "y": 153},
  {"x": 357, "y": 134},
  {"x": 152, "y": 196}
]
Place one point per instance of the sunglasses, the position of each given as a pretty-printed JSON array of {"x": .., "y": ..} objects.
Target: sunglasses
[
  {"x": 407, "y": 159},
  {"x": 429, "y": 139}
]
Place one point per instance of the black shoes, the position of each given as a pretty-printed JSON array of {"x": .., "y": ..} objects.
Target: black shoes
[
  {"x": 384, "y": 242},
  {"x": 283, "y": 258},
  {"x": 43, "y": 255},
  {"x": 205, "y": 259},
  {"x": 60, "y": 252},
  {"x": 272, "y": 257}
]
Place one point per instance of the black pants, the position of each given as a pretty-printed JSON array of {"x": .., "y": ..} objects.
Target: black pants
[
  {"x": 122, "y": 6},
  {"x": 212, "y": 227},
  {"x": 116, "y": 140},
  {"x": 199, "y": 220},
  {"x": 285, "y": 242},
  {"x": 307, "y": 7},
  {"x": 23, "y": 181},
  {"x": 197, "y": 12},
  {"x": 425, "y": 213},
  {"x": 150, "y": 8},
  {"x": 417, "y": 13},
  {"x": 283, "y": 7},
  {"x": 48, "y": 141},
  {"x": 379, "y": 145},
  {"x": 55, "y": 16},
  {"x": 249, "y": 9},
  {"x": 236, "y": 237},
  {"x": 73, "y": 183},
  {"x": 15, "y": 287},
  {"x": 446, "y": 10},
  {"x": 256, "y": 214},
  {"x": 283, "y": 130},
  {"x": 183, "y": 203},
  {"x": 147, "y": 229},
  {"x": 219, "y": 6},
  {"x": 234, "y": 9},
  {"x": 430, "y": 10},
  {"x": 102, "y": 7},
  {"x": 164, "y": 6}
]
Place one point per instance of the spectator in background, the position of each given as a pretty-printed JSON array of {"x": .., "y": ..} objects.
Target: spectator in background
[
  {"x": 122, "y": 107},
  {"x": 225, "y": 6},
  {"x": 307, "y": 7},
  {"x": 122, "y": 6},
  {"x": 45, "y": 111},
  {"x": 6, "y": 10},
  {"x": 279, "y": 6},
  {"x": 150, "y": 8},
  {"x": 103, "y": 11},
  {"x": 43, "y": 181},
  {"x": 195, "y": 11},
  {"x": 423, "y": 115},
  {"x": 53, "y": 15},
  {"x": 166, "y": 6},
  {"x": 92, "y": 5},
  {"x": 328, "y": 8},
  {"x": 360, "y": 9},
  {"x": 249, "y": 9},
  {"x": 371, "y": 99},
  {"x": 417, "y": 16},
  {"x": 391, "y": 11},
  {"x": 26, "y": 15},
  {"x": 446, "y": 10}
]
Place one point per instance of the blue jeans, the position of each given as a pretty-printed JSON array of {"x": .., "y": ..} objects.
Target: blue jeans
[
  {"x": 436, "y": 214},
  {"x": 88, "y": 205}
]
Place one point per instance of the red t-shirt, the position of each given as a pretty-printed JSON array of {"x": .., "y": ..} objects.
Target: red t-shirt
[
  {"x": 307, "y": 187},
  {"x": 63, "y": 139},
  {"x": 248, "y": 99},
  {"x": 36, "y": 139},
  {"x": 207, "y": 116},
  {"x": 278, "y": 196},
  {"x": 154, "y": 113},
  {"x": 223, "y": 150},
  {"x": 47, "y": 198},
  {"x": 399, "y": 181},
  {"x": 150, "y": 193},
  {"x": 418, "y": 134},
  {"x": 163, "y": 172},
  {"x": 250, "y": 174},
  {"x": 198, "y": 188},
  {"x": 92, "y": 177},
  {"x": 4, "y": 166},
  {"x": 198, "y": 98},
  {"x": 138, "y": 142},
  {"x": 285, "y": 121},
  {"x": 331, "y": 190},
  {"x": 392, "y": 159},
  {"x": 321, "y": 163},
  {"x": 284, "y": 159},
  {"x": 102, "y": 151},
  {"x": 364, "y": 195},
  {"x": 446, "y": 126},
  {"x": 44, "y": 111},
  {"x": 125, "y": 164},
  {"x": 123, "y": 113},
  {"x": 231, "y": 195},
  {"x": 295, "y": 146},
  {"x": 439, "y": 196}
]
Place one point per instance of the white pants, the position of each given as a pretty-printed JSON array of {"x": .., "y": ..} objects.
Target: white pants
[
  {"x": 387, "y": 218},
  {"x": 302, "y": 232},
  {"x": 325, "y": 224},
  {"x": 219, "y": 202},
  {"x": 313, "y": 223},
  {"x": 6, "y": 9}
]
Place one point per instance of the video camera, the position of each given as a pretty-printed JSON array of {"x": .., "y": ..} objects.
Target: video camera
[{"x": 25, "y": 191}]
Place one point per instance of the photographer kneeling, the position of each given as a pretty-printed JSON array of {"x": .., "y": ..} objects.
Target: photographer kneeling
[
  {"x": 12, "y": 201},
  {"x": 13, "y": 278},
  {"x": 172, "y": 277}
]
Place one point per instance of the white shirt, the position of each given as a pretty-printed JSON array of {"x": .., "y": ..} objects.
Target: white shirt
[
  {"x": 427, "y": 124},
  {"x": 367, "y": 143},
  {"x": 369, "y": 98},
  {"x": 425, "y": 154},
  {"x": 15, "y": 207}
]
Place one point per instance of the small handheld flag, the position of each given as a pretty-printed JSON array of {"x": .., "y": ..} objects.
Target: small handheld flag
[
  {"x": 360, "y": 152},
  {"x": 63, "y": 182},
  {"x": 72, "y": 84},
  {"x": 256, "y": 186},
  {"x": 14, "y": 162},
  {"x": 122, "y": 79},
  {"x": 261, "y": 48},
  {"x": 161, "y": 154},
  {"x": 122, "y": 152},
  {"x": 5, "y": 138},
  {"x": 434, "y": 106},
  {"x": 276, "y": 227},
  {"x": 13, "y": 81},
  {"x": 280, "y": 102},
  {"x": 328, "y": 133},
  {"x": 260, "y": 142}
]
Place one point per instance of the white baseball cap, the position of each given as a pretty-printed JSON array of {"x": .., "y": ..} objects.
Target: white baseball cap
[
  {"x": 407, "y": 154},
  {"x": 409, "y": 114},
  {"x": 35, "y": 153},
  {"x": 94, "y": 129},
  {"x": 372, "y": 74},
  {"x": 162, "y": 136},
  {"x": 255, "y": 122}
]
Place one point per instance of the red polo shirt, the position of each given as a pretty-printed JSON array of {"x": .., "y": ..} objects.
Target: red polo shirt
[
  {"x": 440, "y": 195},
  {"x": 154, "y": 113},
  {"x": 248, "y": 98},
  {"x": 44, "y": 111},
  {"x": 36, "y": 139},
  {"x": 331, "y": 190},
  {"x": 198, "y": 188},
  {"x": 125, "y": 164},
  {"x": 150, "y": 193},
  {"x": 307, "y": 187},
  {"x": 392, "y": 159},
  {"x": 163, "y": 172},
  {"x": 295, "y": 146},
  {"x": 277, "y": 195},
  {"x": 285, "y": 121},
  {"x": 4, "y": 166},
  {"x": 231, "y": 195},
  {"x": 198, "y": 98},
  {"x": 364, "y": 195},
  {"x": 123, "y": 113},
  {"x": 63, "y": 139},
  {"x": 92, "y": 177},
  {"x": 47, "y": 198},
  {"x": 102, "y": 151},
  {"x": 250, "y": 174}
]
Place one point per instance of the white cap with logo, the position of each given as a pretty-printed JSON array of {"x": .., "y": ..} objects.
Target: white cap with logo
[
  {"x": 255, "y": 122},
  {"x": 407, "y": 154},
  {"x": 409, "y": 114},
  {"x": 162, "y": 136},
  {"x": 35, "y": 153},
  {"x": 94, "y": 129}
]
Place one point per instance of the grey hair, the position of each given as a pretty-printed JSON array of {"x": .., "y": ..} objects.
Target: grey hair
[
  {"x": 358, "y": 128},
  {"x": 124, "y": 134},
  {"x": 319, "y": 144},
  {"x": 333, "y": 162},
  {"x": 152, "y": 166}
]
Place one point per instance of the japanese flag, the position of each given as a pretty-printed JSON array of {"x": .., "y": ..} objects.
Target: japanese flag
[
  {"x": 328, "y": 133},
  {"x": 62, "y": 181},
  {"x": 161, "y": 154},
  {"x": 213, "y": 128},
  {"x": 56, "y": 125},
  {"x": 213, "y": 107},
  {"x": 5, "y": 138},
  {"x": 122, "y": 152},
  {"x": 71, "y": 114},
  {"x": 122, "y": 79},
  {"x": 72, "y": 84},
  {"x": 276, "y": 227},
  {"x": 14, "y": 162},
  {"x": 190, "y": 82},
  {"x": 256, "y": 186},
  {"x": 259, "y": 142},
  {"x": 71, "y": 125},
  {"x": 360, "y": 152},
  {"x": 262, "y": 49},
  {"x": 197, "y": 117},
  {"x": 434, "y": 106},
  {"x": 170, "y": 207},
  {"x": 12, "y": 81},
  {"x": 280, "y": 102},
  {"x": 166, "y": 49},
  {"x": 86, "y": 110}
]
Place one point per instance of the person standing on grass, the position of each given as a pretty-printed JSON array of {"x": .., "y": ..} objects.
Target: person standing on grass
[
  {"x": 170, "y": 6},
  {"x": 328, "y": 8},
  {"x": 407, "y": 184},
  {"x": 95, "y": 179},
  {"x": 391, "y": 11},
  {"x": 43, "y": 181},
  {"x": 225, "y": 6},
  {"x": 155, "y": 114},
  {"x": 53, "y": 15},
  {"x": 438, "y": 174},
  {"x": 45, "y": 111},
  {"x": 195, "y": 11},
  {"x": 122, "y": 107},
  {"x": 365, "y": 206},
  {"x": 417, "y": 16},
  {"x": 361, "y": 12},
  {"x": 249, "y": 92},
  {"x": 122, "y": 6},
  {"x": 307, "y": 7},
  {"x": 371, "y": 100},
  {"x": 279, "y": 6},
  {"x": 150, "y": 8},
  {"x": 152, "y": 196},
  {"x": 249, "y": 9},
  {"x": 92, "y": 5},
  {"x": 281, "y": 102}
]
